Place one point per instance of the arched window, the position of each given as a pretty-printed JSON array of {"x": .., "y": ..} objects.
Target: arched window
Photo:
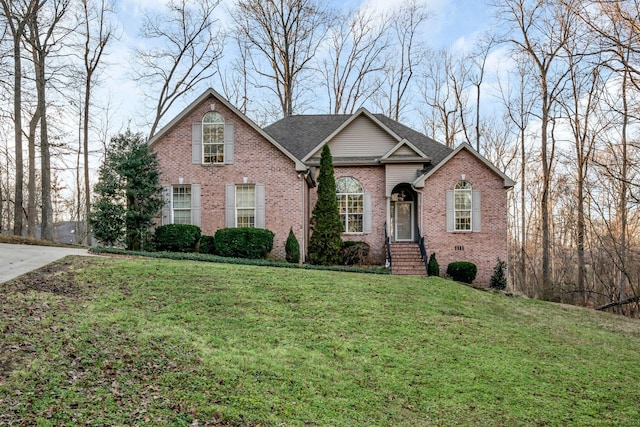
[
  {"x": 350, "y": 196},
  {"x": 213, "y": 138},
  {"x": 462, "y": 206}
]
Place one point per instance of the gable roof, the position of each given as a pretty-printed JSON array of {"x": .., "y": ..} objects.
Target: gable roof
[
  {"x": 392, "y": 155},
  {"x": 419, "y": 182},
  {"x": 210, "y": 92},
  {"x": 303, "y": 135}
]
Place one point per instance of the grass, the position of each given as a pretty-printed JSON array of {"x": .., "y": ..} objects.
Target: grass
[{"x": 162, "y": 342}]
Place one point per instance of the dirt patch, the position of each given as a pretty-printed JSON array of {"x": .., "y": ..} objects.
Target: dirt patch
[
  {"x": 56, "y": 278},
  {"x": 22, "y": 313}
]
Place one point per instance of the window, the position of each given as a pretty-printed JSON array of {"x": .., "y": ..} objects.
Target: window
[
  {"x": 462, "y": 206},
  {"x": 245, "y": 206},
  {"x": 350, "y": 204},
  {"x": 213, "y": 138},
  {"x": 182, "y": 204}
]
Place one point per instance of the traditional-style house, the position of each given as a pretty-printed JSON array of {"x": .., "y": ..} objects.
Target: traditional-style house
[{"x": 220, "y": 169}]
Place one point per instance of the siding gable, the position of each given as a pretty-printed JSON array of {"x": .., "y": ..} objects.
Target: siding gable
[{"x": 361, "y": 138}]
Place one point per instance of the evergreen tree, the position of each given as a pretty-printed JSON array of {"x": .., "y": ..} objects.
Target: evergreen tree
[
  {"x": 325, "y": 241},
  {"x": 499, "y": 279},
  {"x": 128, "y": 192},
  {"x": 433, "y": 268},
  {"x": 292, "y": 248}
]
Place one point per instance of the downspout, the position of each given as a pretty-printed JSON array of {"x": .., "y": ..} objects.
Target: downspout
[{"x": 303, "y": 223}]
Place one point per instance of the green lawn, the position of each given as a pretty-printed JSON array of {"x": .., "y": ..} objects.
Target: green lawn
[{"x": 106, "y": 341}]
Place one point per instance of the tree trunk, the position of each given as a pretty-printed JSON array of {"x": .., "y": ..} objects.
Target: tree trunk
[
  {"x": 85, "y": 146},
  {"x": 546, "y": 177},
  {"x": 18, "y": 210},
  {"x": 45, "y": 155},
  {"x": 32, "y": 208}
]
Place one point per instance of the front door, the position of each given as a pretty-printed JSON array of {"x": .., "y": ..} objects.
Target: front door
[{"x": 403, "y": 221}]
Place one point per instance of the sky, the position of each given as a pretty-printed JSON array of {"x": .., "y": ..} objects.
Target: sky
[{"x": 454, "y": 23}]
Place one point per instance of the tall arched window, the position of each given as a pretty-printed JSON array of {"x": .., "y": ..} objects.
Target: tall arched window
[
  {"x": 213, "y": 138},
  {"x": 462, "y": 206},
  {"x": 350, "y": 196}
]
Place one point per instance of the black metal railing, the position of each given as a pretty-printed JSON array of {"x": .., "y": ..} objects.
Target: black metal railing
[
  {"x": 387, "y": 243},
  {"x": 423, "y": 250}
]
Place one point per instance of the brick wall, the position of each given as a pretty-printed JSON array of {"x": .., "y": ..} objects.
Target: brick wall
[
  {"x": 372, "y": 179},
  {"x": 482, "y": 248},
  {"x": 254, "y": 158}
]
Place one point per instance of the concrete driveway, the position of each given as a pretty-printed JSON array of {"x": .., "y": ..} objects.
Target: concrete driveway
[{"x": 16, "y": 260}]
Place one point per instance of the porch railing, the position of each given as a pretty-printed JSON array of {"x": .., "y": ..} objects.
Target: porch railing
[
  {"x": 423, "y": 250},
  {"x": 387, "y": 243}
]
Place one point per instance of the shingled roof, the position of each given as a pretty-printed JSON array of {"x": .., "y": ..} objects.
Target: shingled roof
[{"x": 300, "y": 134}]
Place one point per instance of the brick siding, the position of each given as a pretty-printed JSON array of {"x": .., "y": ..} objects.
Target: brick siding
[
  {"x": 254, "y": 158},
  {"x": 482, "y": 248}
]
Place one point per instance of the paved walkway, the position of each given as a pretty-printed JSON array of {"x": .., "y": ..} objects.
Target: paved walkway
[{"x": 16, "y": 260}]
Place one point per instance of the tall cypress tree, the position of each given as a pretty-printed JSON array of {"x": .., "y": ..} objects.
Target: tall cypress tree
[{"x": 325, "y": 241}]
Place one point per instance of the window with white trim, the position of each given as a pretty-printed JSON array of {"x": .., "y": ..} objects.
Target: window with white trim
[
  {"x": 350, "y": 196},
  {"x": 212, "y": 138},
  {"x": 462, "y": 196},
  {"x": 181, "y": 204},
  {"x": 245, "y": 206}
]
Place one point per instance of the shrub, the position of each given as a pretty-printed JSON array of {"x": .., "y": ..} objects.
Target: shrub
[
  {"x": 177, "y": 237},
  {"x": 462, "y": 271},
  {"x": 292, "y": 248},
  {"x": 243, "y": 242},
  {"x": 354, "y": 253},
  {"x": 207, "y": 245},
  {"x": 498, "y": 278},
  {"x": 433, "y": 268}
]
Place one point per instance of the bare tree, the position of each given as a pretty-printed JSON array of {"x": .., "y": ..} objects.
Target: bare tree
[
  {"x": 442, "y": 88},
  {"x": 519, "y": 108},
  {"x": 283, "y": 36},
  {"x": 477, "y": 75},
  {"x": 17, "y": 13},
  {"x": 408, "y": 52},
  {"x": 357, "y": 46},
  {"x": 235, "y": 83},
  {"x": 45, "y": 35},
  {"x": 97, "y": 33},
  {"x": 579, "y": 104},
  {"x": 187, "y": 47},
  {"x": 540, "y": 29}
]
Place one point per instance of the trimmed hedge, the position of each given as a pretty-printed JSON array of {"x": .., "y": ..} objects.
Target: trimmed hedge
[
  {"x": 239, "y": 261},
  {"x": 207, "y": 245},
  {"x": 177, "y": 237},
  {"x": 354, "y": 253},
  {"x": 462, "y": 271},
  {"x": 292, "y": 248},
  {"x": 243, "y": 242}
]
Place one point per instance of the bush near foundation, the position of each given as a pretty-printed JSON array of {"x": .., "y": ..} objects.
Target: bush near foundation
[
  {"x": 177, "y": 237},
  {"x": 207, "y": 245},
  {"x": 243, "y": 242},
  {"x": 462, "y": 271},
  {"x": 292, "y": 248},
  {"x": 433, "y": 268},
  {"x": 354, "y": 253}
]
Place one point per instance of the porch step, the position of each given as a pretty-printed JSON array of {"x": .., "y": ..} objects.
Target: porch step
[{"x": 406, "y": 259}]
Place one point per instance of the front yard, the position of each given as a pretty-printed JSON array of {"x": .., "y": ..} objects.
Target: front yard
[{"x": 107, "y": 341}]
